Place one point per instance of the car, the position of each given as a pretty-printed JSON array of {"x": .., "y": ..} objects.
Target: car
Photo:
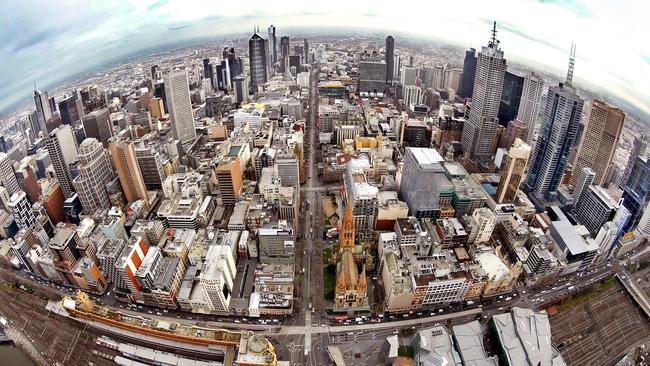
[
  {"x": 323, "y": 325},
  {"x": 237, "y": 321}
]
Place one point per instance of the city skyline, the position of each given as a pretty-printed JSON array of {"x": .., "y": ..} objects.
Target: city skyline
[{"x": 87, "y": 37}]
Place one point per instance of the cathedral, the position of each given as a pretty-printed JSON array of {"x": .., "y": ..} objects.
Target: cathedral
[{"x": 351, "y": 287}]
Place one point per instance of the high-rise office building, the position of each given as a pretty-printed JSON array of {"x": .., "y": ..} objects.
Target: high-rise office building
[
  {"x": 412, "y": 95},
  {"x": 229, "y": 177},
  {"x": 94, "y": 172},
  {"x": 469, "y": 73},
  {"x": 585, "y": 178},
  {"x": 62, "y": 149},
  {"x": 53, "y": 200},
  {"x": 423, "y": 180},
  {"x": 284, "y": 46},
  {"x": 97, "y": 124},
  {"x": 390, "y": 59},
  {"x": 22, "y": 211},
  {"x": 28, "y": 182},
  {"x": 362, "y": 196},
  {"x": 636, "y": 192},
  {"x": 531, "y": 96},
  {"x": 639, "y": 146},
  {"x": 207, "y": 69},
  {"x": 556, "y": 137},
  {"x": 408, "y": 76},
  {"x": 480, "y": 129},
  {"x": 516, "y": 129},
  {"x": 7, "y": 174},
  {"x": 151, "y": 167},
  {"x": 273, "y": 45},
  {"x": 595, "y": 209},
  {"x": 257, "y": 62},
  {"x": 510, "y": 97},
  {"x": 372, "y": 77},
  {"x": 177, "y": 92},
  {"x": 600, "y": 139},
  {"x": 513, "y": 171},
  {"x": 70, "y": 109},
  {"x": 43, "y": 110},
  {"x": 128, "y": 170}
]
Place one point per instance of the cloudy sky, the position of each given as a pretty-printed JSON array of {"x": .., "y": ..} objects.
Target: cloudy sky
[{"x": 45, "y": 42}]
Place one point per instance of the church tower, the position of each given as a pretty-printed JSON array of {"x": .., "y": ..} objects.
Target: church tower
[{"x": 346, "y": 231}]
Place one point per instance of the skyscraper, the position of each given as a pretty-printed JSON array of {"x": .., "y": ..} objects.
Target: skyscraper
[
  {"x": 390, "y": 59},
  {"x": 97, "y": 124},
  {"x": 8, "y": 175},
  {"x": 257, "y": 61},
  {"x": 94, "y": 172},
  {"x": 151, "y": 167},
  {"x": 43, "y": 110},
  {"x": 127, "y": 169},
  {"x": 531, "y": 95},
  {"x": 636, "y": 192},
  {"x": 595, "y": 209},
  {"x": 284, "y": 46},
  {"x": 513, "y": 171},
  {"x": 600, "y": 139},
  {"x": 62, "y": 149},
  {"x": 306, "y": 61},
  {"x": 479, "y": 130},
  {"x": 469, "y": 73},
  {"x": 510, "y": 97},
  {"x": 207, "y": 69},
  {"x": 22, "y": 211},
  {"x": 556, "y": 137},
  {"x": 639, "y": 147},
  {"x": 70, "y": 109},
  {"x": 273, "y": 45},
  {"x": 177, "y": 92},
  {"x": 585, "y": 178}
]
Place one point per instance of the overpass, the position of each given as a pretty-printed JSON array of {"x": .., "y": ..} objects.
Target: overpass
[{"x": 634, "y": 290}]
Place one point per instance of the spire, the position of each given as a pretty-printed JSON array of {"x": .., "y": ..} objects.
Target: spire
[
  {"x": 494, "y": 42},
  {"x": 572, "y": 62},
  {"x": 346, "y": 230}
]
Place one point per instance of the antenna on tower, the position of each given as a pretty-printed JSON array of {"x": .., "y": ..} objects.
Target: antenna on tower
[
  {"x": 494, "y": 33},
  {"x": 572, "y": 62}
]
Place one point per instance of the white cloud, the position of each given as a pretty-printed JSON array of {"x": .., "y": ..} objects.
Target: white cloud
[{"x": 40, "y": 38}]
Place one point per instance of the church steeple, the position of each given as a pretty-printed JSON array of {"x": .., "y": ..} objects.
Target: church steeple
[{"x": 346, "y": 232}]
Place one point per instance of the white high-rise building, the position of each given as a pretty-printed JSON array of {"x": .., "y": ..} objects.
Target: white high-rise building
[
  {"x": 177, "y": 93},
  {"x": 7, "y": 174},
  {"x": 217, "y": 277},
  {"x": 22, "y": 210},
  {"x": 95, "y": 171},
  {"x": 480, "y": 129},
  {"x": 531, "y": 96},
  {"x": 584, "y": 180},
  {"x": 412, "y": 95},
  {"x": 486, "y": 220},
  {"x": 62, "y": 149}
]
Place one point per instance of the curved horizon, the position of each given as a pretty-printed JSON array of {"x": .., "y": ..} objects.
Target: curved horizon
[{"x": 612, "y": 55}]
